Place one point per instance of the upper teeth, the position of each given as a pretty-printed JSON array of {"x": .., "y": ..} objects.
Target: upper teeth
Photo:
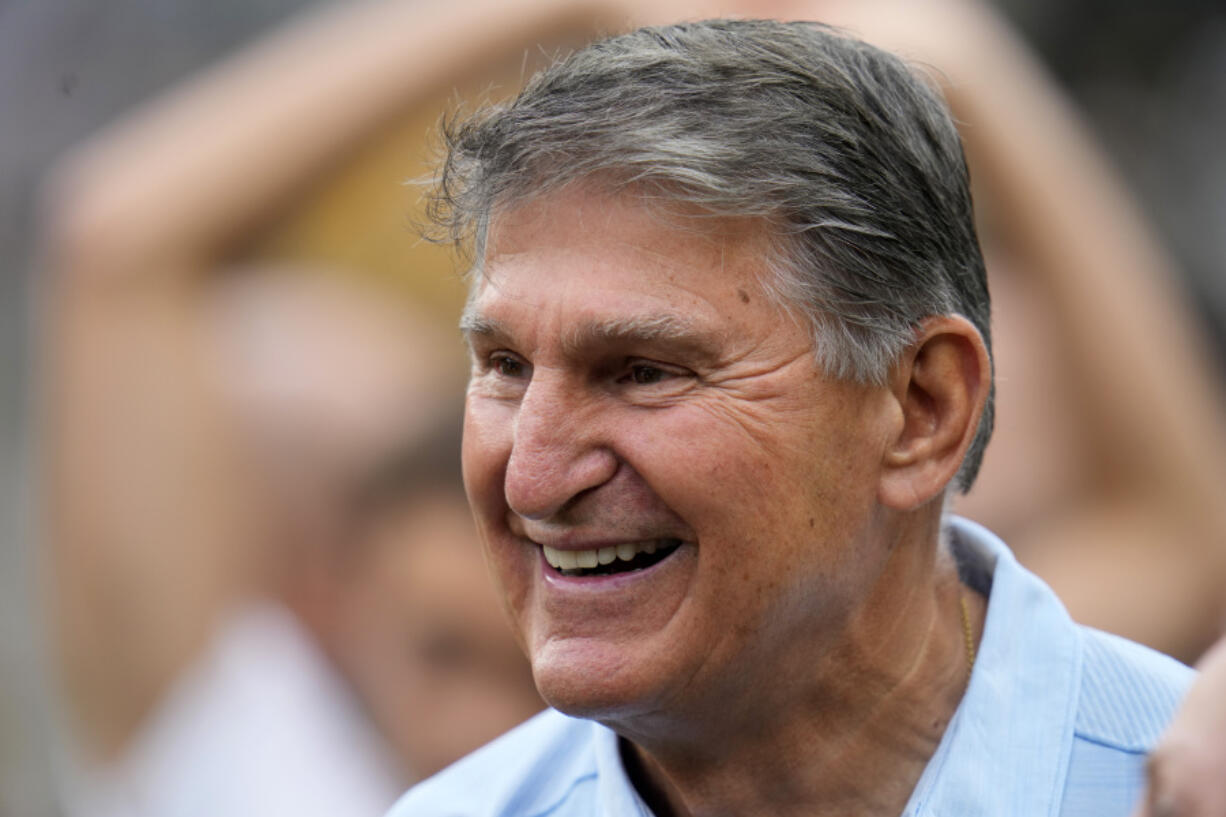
[{"x": 572, "y": 559}]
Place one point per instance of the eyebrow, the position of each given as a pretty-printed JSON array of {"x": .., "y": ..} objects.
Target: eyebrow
[
  {"x": 472, "y": 323},
  {"x": 668, "y": 329}
]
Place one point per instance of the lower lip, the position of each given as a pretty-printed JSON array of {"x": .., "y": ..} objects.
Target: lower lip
[{"x": 606, "y": 581}]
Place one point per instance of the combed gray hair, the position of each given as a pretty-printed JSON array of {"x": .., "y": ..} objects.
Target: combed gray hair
[{"x": 849, "y": 157}]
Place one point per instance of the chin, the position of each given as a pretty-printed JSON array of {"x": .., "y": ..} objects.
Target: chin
[{"x": 590, "y": 683}]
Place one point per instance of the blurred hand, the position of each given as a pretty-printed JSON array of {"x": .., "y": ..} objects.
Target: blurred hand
[{"x": 1187, "y": 772}]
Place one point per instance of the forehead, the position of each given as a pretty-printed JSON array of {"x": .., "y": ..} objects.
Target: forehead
[{"x": 607, "y": 265}]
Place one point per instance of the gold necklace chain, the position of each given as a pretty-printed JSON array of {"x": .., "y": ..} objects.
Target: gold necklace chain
[{"x": 970, "y": 636}]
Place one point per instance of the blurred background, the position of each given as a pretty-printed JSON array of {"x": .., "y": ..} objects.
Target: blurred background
[{"x": 1150, "y": 79}]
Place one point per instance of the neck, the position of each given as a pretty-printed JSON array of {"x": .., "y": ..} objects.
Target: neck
[{"x": 853, "y": 737}]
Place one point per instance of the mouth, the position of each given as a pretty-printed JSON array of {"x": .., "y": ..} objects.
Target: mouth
[{"x": 626, "y": 557}]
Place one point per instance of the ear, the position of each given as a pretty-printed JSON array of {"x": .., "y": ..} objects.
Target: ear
[{"x": 941, "y": 384}]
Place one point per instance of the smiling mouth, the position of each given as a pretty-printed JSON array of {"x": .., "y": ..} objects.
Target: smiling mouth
[{"x": 624, "y": 558}]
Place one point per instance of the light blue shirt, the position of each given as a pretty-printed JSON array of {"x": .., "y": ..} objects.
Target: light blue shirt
[{"x": 1056, "y": 721}]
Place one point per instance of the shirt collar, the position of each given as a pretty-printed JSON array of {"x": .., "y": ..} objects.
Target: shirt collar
[{"x": 1006, "y": 749}]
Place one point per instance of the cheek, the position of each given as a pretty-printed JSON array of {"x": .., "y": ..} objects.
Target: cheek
[
  {"x": 777, "y": 493},
  {"x": 486, "y": 449},
  {"x": 704, "y": 463},
  {"x": 484, "y": 454}
]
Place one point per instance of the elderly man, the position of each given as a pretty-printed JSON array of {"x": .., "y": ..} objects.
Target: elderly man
[{"x": 730, "y": 348}]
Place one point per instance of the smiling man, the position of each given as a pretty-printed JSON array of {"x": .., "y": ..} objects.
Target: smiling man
[{"x": 730, "y": 348}]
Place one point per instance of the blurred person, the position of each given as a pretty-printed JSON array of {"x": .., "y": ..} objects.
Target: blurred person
[{"x": 432, "y": 657}]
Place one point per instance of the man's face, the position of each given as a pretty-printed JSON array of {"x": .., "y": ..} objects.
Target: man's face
[{"x": 634, "y": 390}]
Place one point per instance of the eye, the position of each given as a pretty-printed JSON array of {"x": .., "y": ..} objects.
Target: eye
[
  {"x": 639, "y": 372},
  {"x": 507, "y": 365},
  {"x": 643, "y": 374}
]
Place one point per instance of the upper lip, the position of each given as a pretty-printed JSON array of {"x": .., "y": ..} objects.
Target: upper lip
[
  {"x": 579, "y": 540},
  {"x": 566, "y": 543}
]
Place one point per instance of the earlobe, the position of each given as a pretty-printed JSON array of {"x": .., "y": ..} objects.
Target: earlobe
[{"x": 940, "y": 384}]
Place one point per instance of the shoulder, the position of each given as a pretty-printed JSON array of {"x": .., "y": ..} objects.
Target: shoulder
[
  {"x": 530, "y": 771},
  {"x": 1129, "y": 693}
]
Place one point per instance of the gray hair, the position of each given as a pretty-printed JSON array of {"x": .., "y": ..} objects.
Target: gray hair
[{"x": 849, "y": 157}]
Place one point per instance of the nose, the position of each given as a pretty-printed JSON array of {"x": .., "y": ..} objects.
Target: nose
[{"x": 557, "y": 453}]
